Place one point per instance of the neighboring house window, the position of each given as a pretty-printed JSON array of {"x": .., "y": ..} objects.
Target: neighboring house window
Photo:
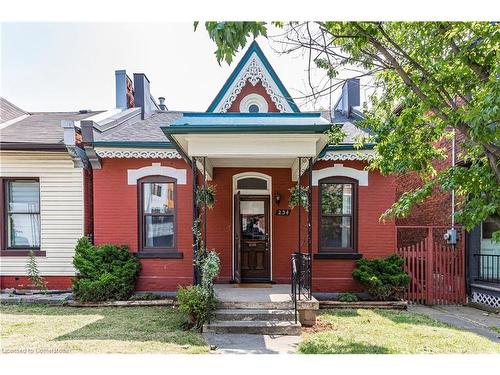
[
  {"x": 21, "y": 220},
  {"x": 157, "y": 213},
  {"x": 337, "y": 214}
]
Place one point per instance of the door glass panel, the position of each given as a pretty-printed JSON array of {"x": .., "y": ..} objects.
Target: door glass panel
[{"x": 253, "y": 222}]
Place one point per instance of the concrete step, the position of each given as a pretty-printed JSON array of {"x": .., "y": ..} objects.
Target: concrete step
[
  {"x": 255, "y": 314},
  {"x": 251, "y": 305},
  {"x": 253, "y": 327}
]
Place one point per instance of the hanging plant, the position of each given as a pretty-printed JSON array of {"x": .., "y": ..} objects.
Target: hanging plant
[
  {"x": 295, "y": 200},
  {"x": 205, "y": 194}
]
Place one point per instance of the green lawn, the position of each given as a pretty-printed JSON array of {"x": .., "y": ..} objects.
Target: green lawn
[
  {"x": 48, "y": 329},
  {"x": 496, "y": 329},
  {"x": 391, "y": 332}
]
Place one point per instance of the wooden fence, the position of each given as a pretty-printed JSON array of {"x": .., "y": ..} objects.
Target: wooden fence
[{"x": 437, "y": 270}]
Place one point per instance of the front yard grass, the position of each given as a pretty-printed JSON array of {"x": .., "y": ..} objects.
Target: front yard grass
[
  {"x": 388, "y": 332},
  {"x": 51, "y": 329}
]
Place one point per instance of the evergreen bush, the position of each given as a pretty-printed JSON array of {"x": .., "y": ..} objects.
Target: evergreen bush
[
  {"x": 106, "y": 272},
  {"x": 384, "y": 278}
]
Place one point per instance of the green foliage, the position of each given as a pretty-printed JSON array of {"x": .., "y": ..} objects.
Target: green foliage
[
  {"x": 384, "y": 278},
  {"x": 206, "y": 194},
  {"x": 105, "y": 272},
  {"x": 431, "y": 79},
  {"x": 195, "y": 302},
  {"x": 296, "y": 200},
  {"x": 348, "y": 297},
  {"x": 335, "y": 135},
  {"x": 198, "y": 301},
  {"x": 34, "y": 274},
  {"x": 231, "y": 36}
]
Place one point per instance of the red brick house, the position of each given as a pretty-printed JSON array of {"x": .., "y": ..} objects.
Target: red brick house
[
  {"x": 253, "y": 144},
  {"x": 248, "y": 144},
  {"x": 482, "y": 255}
]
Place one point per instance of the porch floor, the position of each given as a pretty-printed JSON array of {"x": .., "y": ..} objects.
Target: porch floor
[{"x": 231, "y": 293}]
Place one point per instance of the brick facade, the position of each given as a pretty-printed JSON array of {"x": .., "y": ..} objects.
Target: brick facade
[
  {"x": 250, "y": 89},
  {"x": 435, "y": 210},
  {"x": 23, "y": 282},
  {"x": 116, "y": 221}
]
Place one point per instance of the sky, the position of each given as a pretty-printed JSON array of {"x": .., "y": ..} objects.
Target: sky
[{"x": 70, "y": 66}]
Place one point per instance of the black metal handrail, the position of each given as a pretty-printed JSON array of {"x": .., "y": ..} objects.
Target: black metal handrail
[
  {"x": 488, "y": 267},
  {"x": 300, "y": 279}
]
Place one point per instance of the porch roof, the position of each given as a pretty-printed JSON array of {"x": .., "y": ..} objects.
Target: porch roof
[
  {"x": 249, "y": 139},
  {"x": 310, "y": 122}
]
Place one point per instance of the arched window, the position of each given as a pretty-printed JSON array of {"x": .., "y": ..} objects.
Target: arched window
[
  {"x": 249, "y": 183},
  {"x": 254, "y": 103},
  {"x": 338, "y": 214},
  {"x": 157, "y": 213}
]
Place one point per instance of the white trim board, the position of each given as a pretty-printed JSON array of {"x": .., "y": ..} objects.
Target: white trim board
[
  {"x": 156, "y": 170},
  {"x": 340, "y": 170}
]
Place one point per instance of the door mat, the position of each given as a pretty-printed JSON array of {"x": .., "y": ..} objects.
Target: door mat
[{"x": 254, "y": 285}]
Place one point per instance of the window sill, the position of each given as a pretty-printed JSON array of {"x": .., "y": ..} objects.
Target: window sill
[
  {"x": 333, "y": 255},
  {"x": 21, "y": 253},
  {"x": 159, "y": 254}
]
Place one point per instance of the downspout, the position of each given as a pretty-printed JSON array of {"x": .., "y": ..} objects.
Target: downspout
[
  {"x": 80, "y": 160},
  {"x": 453, "y": 162}
]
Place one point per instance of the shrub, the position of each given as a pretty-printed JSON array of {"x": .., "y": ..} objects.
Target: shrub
[
  {"x": 106, "y": 272},
  {"x": 37, "y": 281},
  {"x": 348, "y": 297},
  {"x": 384, "y": 278},
  {"x": 198, "y": 301}
]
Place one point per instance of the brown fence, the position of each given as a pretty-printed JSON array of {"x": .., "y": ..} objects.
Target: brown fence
[{"x": 437, "y": 270}]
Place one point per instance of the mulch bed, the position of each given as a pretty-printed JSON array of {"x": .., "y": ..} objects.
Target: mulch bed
[{"x": 319, "y": 327}]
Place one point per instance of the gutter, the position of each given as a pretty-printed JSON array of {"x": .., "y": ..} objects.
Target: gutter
[
  {"x": 245, "y": 128},
  {"x": 30, "y": 146}
]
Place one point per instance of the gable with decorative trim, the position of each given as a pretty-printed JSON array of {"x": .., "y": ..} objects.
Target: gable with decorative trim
[{"x": 255, "y": 70}]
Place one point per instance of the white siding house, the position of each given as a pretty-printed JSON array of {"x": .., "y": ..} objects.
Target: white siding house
[{"x": 61, "y": 208}]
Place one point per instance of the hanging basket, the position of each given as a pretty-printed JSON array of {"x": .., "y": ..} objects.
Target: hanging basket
[
  {"x": 205, "y": 194},
  {"x": 297, "y": 199}
]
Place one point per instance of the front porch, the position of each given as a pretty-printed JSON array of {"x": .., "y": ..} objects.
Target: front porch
[{"x": 243, "y": 154}]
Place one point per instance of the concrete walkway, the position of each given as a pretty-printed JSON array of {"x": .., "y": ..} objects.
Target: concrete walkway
[
  {"x": 468, "y": 318},
  {"x": 233, "y": 293},
  {"x": 228, "y": 343}
]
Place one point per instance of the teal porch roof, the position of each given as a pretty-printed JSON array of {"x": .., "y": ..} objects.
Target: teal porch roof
[{"x": 203, "y": 122}]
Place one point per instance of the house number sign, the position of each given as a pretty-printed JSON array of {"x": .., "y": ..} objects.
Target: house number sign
[{"x": 283, "y": 212}]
